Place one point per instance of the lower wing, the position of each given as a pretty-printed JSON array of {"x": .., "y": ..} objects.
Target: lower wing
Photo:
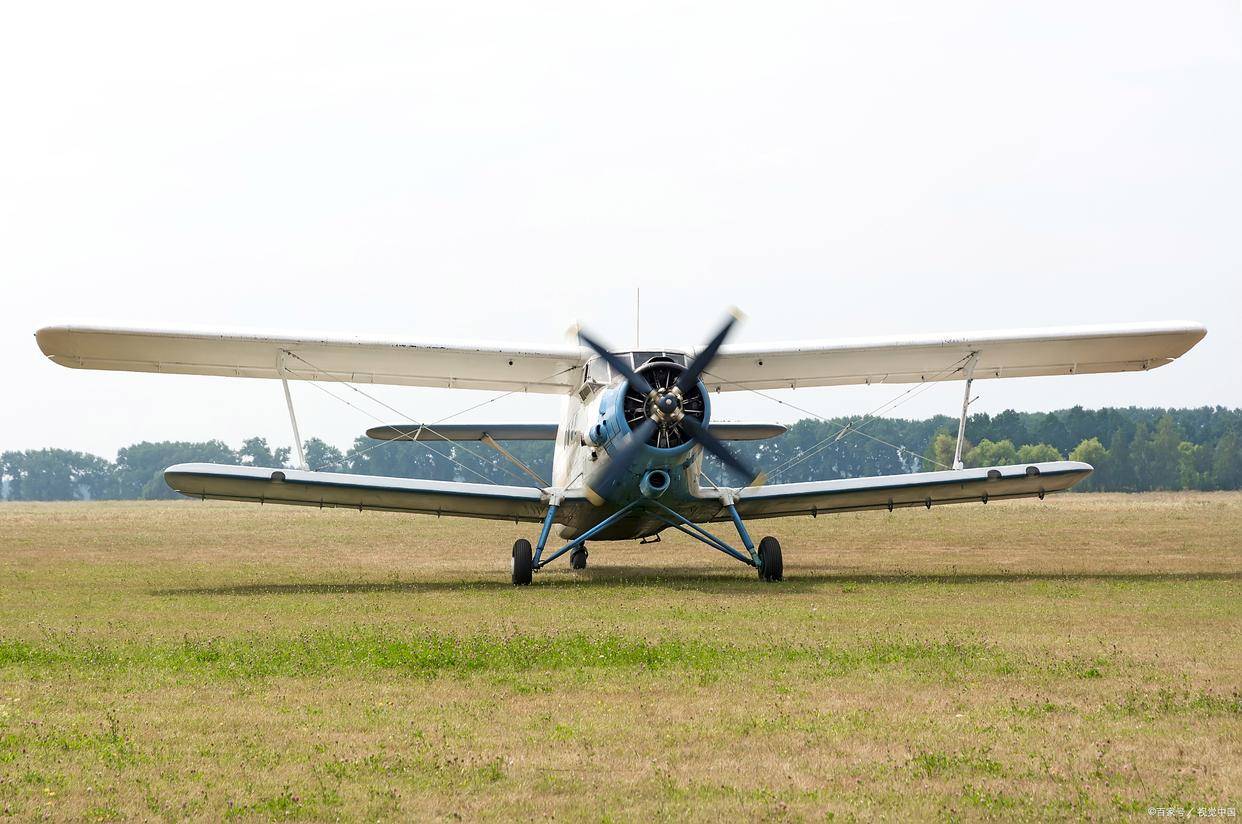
[
  {"x": 330, "y": 489},
  {"x": 528, "y": 504},
  {"x": 917, "y": 489}
]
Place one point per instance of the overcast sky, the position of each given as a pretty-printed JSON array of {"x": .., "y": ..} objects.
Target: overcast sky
[{"x": 496, "y": 171}]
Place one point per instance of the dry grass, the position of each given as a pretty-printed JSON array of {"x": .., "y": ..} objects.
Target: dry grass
[{"x": 1079, "y": 656}]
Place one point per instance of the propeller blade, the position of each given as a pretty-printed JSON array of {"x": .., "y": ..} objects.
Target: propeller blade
[
  {"x": 624, "y": 456},
  {"x": 636, "y": 380},
  {"x": 691, "y": 376},
  {"x": 716, "y": 446}
]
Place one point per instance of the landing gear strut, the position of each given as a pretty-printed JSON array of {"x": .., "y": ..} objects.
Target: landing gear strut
[
  {"x": 765, "y": 558},
  {"x": 578, "y": 558}
]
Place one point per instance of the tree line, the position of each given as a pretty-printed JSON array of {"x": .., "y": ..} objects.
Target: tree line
[{"x": 1133, "y": 449}]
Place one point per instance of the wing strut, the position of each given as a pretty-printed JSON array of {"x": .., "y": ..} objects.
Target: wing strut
[
  {"x": 969, "y": 371},
  {"x": 293, "y": 419},
  {"x": 494, "y": 444}
]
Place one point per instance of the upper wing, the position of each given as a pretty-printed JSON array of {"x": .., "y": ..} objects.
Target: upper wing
[
  {"x": 547, "y": 369},
  {"x": 939, "y": 357},
  {"x": 916, "y": 489},
  {"x": 293, "y": 486}
]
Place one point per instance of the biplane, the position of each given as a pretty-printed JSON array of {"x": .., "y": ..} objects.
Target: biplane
[{"x": 634, "y": 426}]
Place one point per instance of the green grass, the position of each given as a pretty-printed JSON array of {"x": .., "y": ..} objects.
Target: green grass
[
  {"x": 428, "y": 655},
  {"x": 1078, "y": 657}
]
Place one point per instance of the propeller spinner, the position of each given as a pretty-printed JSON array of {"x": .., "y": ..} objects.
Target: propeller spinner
[{"x": 664, "y": 407}]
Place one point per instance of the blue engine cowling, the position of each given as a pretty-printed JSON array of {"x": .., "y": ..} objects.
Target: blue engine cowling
[{"x": 612, "y": 429}]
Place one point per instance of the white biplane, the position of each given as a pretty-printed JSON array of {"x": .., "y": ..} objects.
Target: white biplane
[{"x": 634, "y": 424}]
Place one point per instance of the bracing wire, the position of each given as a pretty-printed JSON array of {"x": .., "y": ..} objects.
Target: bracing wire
[
  {"x": 359, "y": 452},
  {"x": 421, "y": 426},
  {"x": 849, "y": 426}
]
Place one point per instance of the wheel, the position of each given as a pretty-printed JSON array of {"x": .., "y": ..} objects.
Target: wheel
[
  {"x": 577, "y": 558},
  {"x": 522, "y": 568},
  {"x": 771, "y": 567}
]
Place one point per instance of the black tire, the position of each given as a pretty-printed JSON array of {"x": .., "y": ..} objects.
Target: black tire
[
  {"x": 522, "y": 567},
  {"x": 771, "y": 566},
  {"x": 578, "y": 558}
]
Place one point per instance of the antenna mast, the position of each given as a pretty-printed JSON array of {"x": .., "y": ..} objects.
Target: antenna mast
[{"x": 637, "y": 315}]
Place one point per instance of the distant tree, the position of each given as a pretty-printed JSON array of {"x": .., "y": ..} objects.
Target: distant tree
[
  {"x": 1148, "y": 448},
  {"x": 1141, "y": 458},
  {"x": 255, "y": 452},
  {"x": 1048, "y": 428},
  {"x": 140, "y": 468},
  {"x": 1227, "y": 463},
  {"x": 1091, "y": 451},
  {"x": 1117, "y": 473},
  {"x": 1079, "y": 427},
  {"x": 1011, "y": 426},
  {"x": 939, "y": 454},
  {"x": 1164, "y": 455},
  {"x": 1194, "y": 466},
  {"x": 401, "y": 459},
  {"x": 323, "y": 456},
  {"x": 12, "y": 465},
  {"x": 992, "y": 453},
  {"x": 1037, "y": 453},
  {"x": 56, "y": 475}
]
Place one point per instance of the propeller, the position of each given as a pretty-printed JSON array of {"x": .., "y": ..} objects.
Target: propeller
[
  {"x": 702, "y": 360},
  {"x": 717, "y": 447},
  {"x": 668, "y": 411}
]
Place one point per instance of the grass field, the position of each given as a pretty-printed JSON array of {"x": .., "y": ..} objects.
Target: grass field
[{"x": 1075, "y": 657}]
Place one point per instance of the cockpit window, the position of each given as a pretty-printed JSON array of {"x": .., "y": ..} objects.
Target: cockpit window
[{"x": 641, "y": 358}]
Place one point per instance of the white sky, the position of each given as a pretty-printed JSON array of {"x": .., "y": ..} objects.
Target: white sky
[{"x": 495, "y": 171}]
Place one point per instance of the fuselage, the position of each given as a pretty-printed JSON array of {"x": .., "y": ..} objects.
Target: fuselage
[{"x": 593, "y": 425}]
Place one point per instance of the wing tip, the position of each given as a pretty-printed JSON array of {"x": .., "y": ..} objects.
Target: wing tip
[
  {"x": 47, "y": 337},
  {"x": 393, "y": 432},
  {"x": 1192, "y": 331}
]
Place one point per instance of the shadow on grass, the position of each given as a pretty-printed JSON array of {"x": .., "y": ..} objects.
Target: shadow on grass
[{"x": 736, "y": 583}]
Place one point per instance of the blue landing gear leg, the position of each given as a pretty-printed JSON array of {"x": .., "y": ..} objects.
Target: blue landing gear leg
[
  {"x": 578, "y": 545},
  {"x": 543, "y": 535},
  {"x": 766, "y": 559}
]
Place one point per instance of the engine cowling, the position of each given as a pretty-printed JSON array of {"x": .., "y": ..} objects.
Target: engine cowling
[{"x": 623, "y": 409}]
